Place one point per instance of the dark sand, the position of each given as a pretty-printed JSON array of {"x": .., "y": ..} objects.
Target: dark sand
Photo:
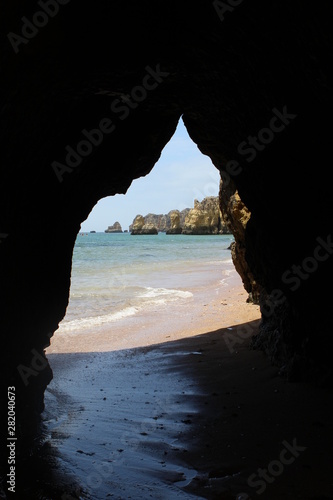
[
  {"x": 187, "y": 419},
  {"x": 183, "y": 418}
]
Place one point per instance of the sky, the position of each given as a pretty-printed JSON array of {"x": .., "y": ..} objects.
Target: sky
[{"x": 181, "y": 175}]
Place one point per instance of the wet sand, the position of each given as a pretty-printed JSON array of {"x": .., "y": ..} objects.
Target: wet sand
[
  {"x": 215, "y": 304},
  {"x": 170, "y": 411}
]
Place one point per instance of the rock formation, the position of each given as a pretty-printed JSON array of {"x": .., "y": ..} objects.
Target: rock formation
[
  {"x": 236, "y": 217},
  {"x": 148, "y": 228},
  {"x": 116, "y": 228},
  {"x": 205, "y": 218},
  {"x": 175, "y": 223},
  {"x": 140, "y": 226},
  {"x": 162, "y": 222},
  {"x": 159, "y": 221}
]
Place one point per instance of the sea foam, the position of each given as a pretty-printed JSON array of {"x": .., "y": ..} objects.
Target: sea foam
[
  {"x": 94, "y": 321},
  {"x": 163, "y": 292},
  {"x": 151, "y": 296}
]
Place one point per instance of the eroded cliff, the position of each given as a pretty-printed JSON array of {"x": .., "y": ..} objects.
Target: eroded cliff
[
  {"x": 205, "y": 218},
  {"x": 162, "y": 222},
  {"x": 140, "y": 226},
  {"x": 236, "y": 217}
]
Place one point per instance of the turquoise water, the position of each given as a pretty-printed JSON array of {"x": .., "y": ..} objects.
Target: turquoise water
[{"x": 115, "y": 276}]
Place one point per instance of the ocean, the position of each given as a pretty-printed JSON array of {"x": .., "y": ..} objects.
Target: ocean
[{"x": 115, "y": 276}]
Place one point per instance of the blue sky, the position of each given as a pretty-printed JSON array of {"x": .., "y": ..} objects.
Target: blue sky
[{"x": 181, "y": 175}]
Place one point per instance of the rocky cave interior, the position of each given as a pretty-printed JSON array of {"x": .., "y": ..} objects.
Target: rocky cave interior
[{"x": 224, "y": 77}]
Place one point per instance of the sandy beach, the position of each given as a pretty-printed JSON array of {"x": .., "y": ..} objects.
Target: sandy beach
[
  {"x": 172, "y": 410},
  {"x": 214, "y": 305}
]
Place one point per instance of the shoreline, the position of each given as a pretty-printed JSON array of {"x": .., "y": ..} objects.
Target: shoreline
[
  {"x": 180, "y": 415},
  {"x": 214, "y": 305}
]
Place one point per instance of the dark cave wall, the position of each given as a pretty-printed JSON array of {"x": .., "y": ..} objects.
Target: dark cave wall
[{"x": 225, "y": 78}]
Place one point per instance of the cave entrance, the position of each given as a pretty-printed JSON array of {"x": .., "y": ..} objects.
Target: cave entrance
[
  {"x": 124, "y": 287},
  {"x": 136, "y": 304}
]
